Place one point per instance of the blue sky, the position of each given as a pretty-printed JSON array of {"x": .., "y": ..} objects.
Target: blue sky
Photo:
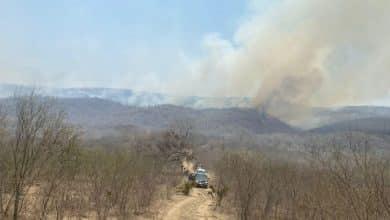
[
  {"x": 74, "y": 43},
  {"x": 326, "y": 53}
]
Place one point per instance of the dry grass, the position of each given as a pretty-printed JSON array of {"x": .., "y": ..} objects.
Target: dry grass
[
  {"x": 340, "y": 183},
  {"x": 46, "y": 173}
]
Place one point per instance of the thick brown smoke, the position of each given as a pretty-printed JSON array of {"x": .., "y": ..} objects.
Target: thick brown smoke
[{"x": 303, "y": 53}]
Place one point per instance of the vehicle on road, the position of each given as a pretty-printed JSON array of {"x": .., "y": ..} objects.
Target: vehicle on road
[
  {"x": 201, "y": 170},
  {"x": 201, "y": 180},
  {"x": 199, "y": 177}
]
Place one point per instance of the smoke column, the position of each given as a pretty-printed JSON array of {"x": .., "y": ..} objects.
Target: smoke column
[{"x": 300, "y": 54}]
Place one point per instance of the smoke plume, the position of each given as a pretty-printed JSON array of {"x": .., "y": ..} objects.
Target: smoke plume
[{"x": 303, "y": 53}]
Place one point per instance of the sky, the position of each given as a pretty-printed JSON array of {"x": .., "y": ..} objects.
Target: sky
[
  {"x": 96, "y": 43},
  {"x": 279, "y": 52}
]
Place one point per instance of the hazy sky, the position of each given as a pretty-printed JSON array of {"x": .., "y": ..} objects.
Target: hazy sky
[
  {"x": 302, "y": 52},
  {"x": 140, "y": 44}
]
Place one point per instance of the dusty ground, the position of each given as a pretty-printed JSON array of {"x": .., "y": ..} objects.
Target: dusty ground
[{"x": 199, "y": 205}]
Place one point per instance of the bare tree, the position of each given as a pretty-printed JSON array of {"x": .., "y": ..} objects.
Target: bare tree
[
  {"x": 5, "y": 198},
  {"x": 60, "y": 167},
  {"x": 242, "y": 175},
  {"x": 39, "y": 135},
  {"x": 176, "y": 143}
]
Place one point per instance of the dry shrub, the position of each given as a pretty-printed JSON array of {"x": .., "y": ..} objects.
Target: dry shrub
[
  {"x": 187, "y": 187},
  {"x": 121, "y": 183},
  {"x": 348, "y": 182},
  {"x": 45, "y": 173}
]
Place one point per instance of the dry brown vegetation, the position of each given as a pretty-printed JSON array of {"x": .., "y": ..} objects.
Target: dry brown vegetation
[
  {"x": 45, "y": 173},
  {"x": 347, "y": 181}
]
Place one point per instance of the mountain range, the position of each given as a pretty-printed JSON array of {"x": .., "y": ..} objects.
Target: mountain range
[
  {"x": 102, "y": 111},
  {"x": 130, "y": 97},
  {"x": 99, "y": 117}
]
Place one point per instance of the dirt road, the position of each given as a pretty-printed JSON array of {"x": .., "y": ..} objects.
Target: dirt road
[{"x": 199, "y": 205}]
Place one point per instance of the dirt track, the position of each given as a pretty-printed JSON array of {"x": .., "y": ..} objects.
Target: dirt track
[{"x": 199, "y": 205}]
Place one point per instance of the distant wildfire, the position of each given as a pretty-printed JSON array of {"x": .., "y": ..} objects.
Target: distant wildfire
[{"x": 302, "y": 53}]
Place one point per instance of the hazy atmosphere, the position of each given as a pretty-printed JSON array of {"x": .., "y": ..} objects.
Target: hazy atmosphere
[
  {"x": 300, "y": 52},
  {"x": 194, "y": 109}
]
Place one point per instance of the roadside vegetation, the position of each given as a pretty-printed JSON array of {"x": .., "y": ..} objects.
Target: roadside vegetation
[
  {"x": 335, "y": 181},
  {"x": 46, "y": 173}
]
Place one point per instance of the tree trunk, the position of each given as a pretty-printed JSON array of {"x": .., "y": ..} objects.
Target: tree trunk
[{"x": 16, "y": 203}]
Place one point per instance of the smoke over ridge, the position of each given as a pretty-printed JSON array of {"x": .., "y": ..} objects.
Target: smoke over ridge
[{"x": 302, "y": 53}]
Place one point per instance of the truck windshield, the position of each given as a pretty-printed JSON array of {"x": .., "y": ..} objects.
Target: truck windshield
[{"x": 201, "y": 177}]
